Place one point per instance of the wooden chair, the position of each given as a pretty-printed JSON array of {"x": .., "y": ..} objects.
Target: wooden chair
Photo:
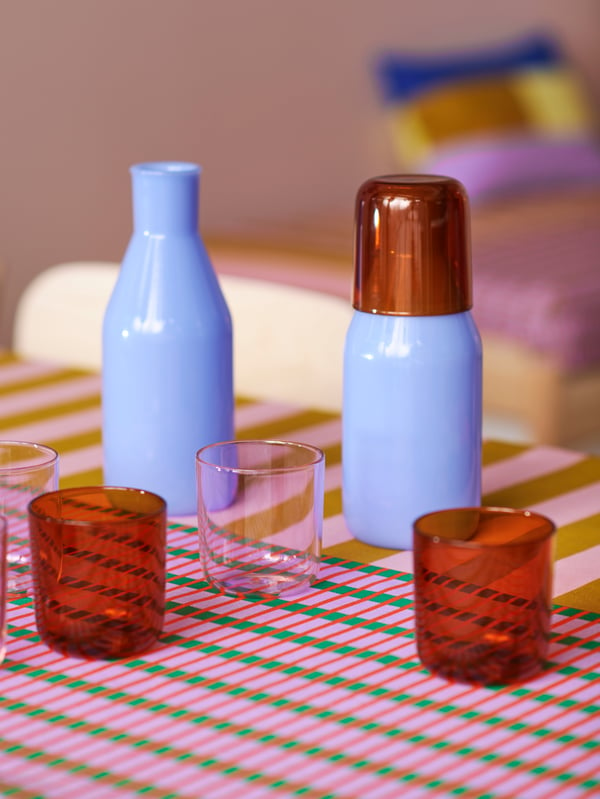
[{"x": 288, "y": 341}]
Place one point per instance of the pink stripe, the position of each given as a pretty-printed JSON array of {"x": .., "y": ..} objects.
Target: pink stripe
[
  {"x": 335, "y": 531},
  {"x": 68, "y": 425},
  {"x": 572, "y": 506},
  {"x": 80, "y": 460},
  {"x": 46, "y": 396},
  {"x": 528, "y": 465},
  {"x": 262, "y": 413},
  {"x": 325, "y": 434},
  {"x": 26, "y": 370},
  {"x": 576, "y": 570}
]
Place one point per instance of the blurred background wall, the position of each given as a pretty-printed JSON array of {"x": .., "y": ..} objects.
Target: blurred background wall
[{"x": 275, "y": 98}]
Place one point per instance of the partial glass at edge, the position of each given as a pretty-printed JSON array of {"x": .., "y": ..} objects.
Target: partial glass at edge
[
  {"x": 260, "y": 515},
  {"x": 3, "y": 571},
  {"x": 27, "y": 469},
  {"x": 483, "y": 593}
]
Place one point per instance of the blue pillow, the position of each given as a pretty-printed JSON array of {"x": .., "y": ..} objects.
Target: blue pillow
[{"x": 401, "y": 77}]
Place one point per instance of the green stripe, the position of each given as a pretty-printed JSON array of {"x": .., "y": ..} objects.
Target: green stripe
[
  {"x": 318, "y": 643},
  {"x": 7, "y": 789},
  {"x": 278, "y": 740},
  {"x": 339, "y": 560},
  {"x": 586, "y": 596}
]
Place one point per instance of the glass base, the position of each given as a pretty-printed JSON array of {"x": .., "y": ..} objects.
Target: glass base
[
  {"x": 482, "y": 664},
  {"x": 19, "y": 582},
  {"x": 243, "y": 583}
]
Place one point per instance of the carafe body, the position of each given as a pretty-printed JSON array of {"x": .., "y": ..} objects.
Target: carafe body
[{"x": 167, "y": 384}]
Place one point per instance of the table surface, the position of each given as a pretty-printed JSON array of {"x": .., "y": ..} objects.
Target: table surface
[{"x": 319, "y": 697}]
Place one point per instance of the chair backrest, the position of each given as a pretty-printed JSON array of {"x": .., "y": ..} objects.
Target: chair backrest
[{"x": 288, "y": 341}]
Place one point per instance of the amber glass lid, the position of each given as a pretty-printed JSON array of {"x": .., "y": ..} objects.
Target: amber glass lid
[{"x": 412, "y": 247}]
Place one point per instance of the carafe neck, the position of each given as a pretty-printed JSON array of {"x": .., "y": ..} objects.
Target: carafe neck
[{"x": 165, "y": 197}]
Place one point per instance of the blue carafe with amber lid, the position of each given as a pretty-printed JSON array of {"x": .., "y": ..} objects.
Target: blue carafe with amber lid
[{"x": 412, "y": 403}]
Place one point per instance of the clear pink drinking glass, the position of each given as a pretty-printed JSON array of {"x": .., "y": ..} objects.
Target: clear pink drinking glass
[
  {"x": 3, "y": 597},
  {"x": 260, "y": 515},
  {"x": 26, "y": 470}
]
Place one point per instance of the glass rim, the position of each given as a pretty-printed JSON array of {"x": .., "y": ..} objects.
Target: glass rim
[
  {"x": 318, "y": 456},
  {"x": 43, "y": 449},
  {"x": 162, "y": 168},
  {"x": 547, "y": 527},
  {"x": 77, "y": 490}
]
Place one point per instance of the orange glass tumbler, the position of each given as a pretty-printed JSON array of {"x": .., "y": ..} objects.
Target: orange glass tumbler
[
  {"x": 98, "y": 562},
  {"x": 483, "y": 591}
]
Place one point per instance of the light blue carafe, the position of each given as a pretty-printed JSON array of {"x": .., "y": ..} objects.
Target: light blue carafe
[
  {"x": 411, "y": 422},
  {"x": 167, "y": 385}
]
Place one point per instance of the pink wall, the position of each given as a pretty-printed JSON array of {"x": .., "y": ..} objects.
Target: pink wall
[{"x": 273, "y": 97}]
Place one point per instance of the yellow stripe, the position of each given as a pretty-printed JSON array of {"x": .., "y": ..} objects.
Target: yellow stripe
[
  {"x": 241, "y": 402},
  {"x": 47, "y": 379},
  {"x": 333, "y": 503},
  {"x": 92, "y": 477},
  {"x": 494, "y": 451},
  {"x": 89, "y": 438},
  {"x": 49, "y": 411},
  {"x": 333, "y": 454},
  {"x": 578, "y": 536},
  {"x": 586, "y": 597},
  {"x": 283, "y": 425},
  {"x": 358, "y": 551},
  {"x": 547, "y": 486}
]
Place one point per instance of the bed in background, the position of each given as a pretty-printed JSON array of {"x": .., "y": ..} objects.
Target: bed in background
[{"x": 514, "y": 123}]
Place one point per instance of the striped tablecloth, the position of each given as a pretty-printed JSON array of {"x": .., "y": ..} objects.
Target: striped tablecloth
[{"x": 319, "y": 697}]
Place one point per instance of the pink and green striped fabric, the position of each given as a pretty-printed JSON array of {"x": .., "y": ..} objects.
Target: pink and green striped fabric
[{"x": 320, "y": 697}]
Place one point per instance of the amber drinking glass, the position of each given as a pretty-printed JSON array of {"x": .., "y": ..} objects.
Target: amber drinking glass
[
  {"x": 26, "y": 470},
  {"x": 98, "y": 561},
  {"x": 483, "y": 590},
  {"x": 260, "y": 515}
]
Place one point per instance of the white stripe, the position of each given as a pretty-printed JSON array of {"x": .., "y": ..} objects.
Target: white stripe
[{"x": 527, "y": 465}]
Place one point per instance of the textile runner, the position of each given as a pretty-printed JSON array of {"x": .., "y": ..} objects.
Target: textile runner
[
  {"x": 322, "y": 696},
  {"x": 61, "y": 407}
]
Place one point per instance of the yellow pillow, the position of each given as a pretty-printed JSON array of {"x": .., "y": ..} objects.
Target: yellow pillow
[{"x": 547, "y": 103}]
